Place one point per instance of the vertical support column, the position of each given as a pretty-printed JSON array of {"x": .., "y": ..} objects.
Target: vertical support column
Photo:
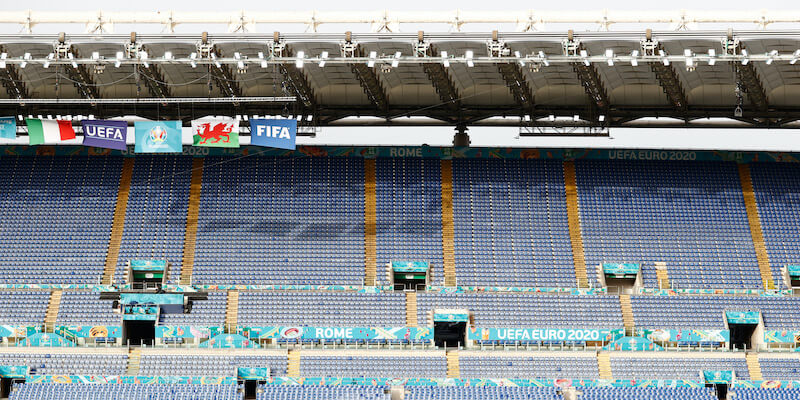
[
  {"x": 370, "y": 224},
  {"x": 574, "y": 220},
  {"x": 448, "y": 246},
  {"x": 192, "y": 214},
  {"x": 755, "y": 226},
  {"x": 118, "y": 224}
]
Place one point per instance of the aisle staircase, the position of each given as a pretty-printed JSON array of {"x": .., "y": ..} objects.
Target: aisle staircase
[
  {"x": 662, "y": 276},
  {"x": 453, "y": 368},
  {"x": 755, "y": 226},
  {"x": 753, "y": 367},
  {"x": 52, "y": 310},
  {"x": 293, "y": 370},
  {"x": 134, "y": 359},
  {"x": 232, "y": 311},
  {"x": 627, "y": 313},
  {"x": 574, "y": 219},
  {"x": 411, "y": 308},
  {"x": 604, "y": 365},
  {"x": 192, "y": 214},
  {"x": 370, "y": 223},
  {"x": 448, "y": 247},
  {"x": 118, "y": 223}
]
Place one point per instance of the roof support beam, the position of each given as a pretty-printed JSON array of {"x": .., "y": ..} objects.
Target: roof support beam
[
  {"x": 12, "y": 81},
  {"x": 155, "y": 81},
  {"x": 369, "y": 81},
  {"x": 224, "y": 78},
  {"x": 669, "y": 81},
  {"x": 82, "y": 79},
  {"x": 587, "y": 73},
  {"x": 441, "y": 81},
  {"x": 297, "y": 83},
  {"x": 515, "y": 80},
  {"x": 748, "y": 78}
]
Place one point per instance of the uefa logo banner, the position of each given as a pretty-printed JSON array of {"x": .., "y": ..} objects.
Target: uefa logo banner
[
  {"x": 279, "y": 133},
  {"x": 105, "y": 134},
  {"x": 158, "y": 137},
  {"x": 215, "y": 133}
]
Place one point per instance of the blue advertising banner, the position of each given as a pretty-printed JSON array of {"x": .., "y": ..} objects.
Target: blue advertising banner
[
  {"x": 794, "y": 270},
  {"x": 720, "y": 377},
  {"x": 105, "y": 134},
  {"x": 8, "y": 128},
  {"x": 633, "y": 343},
  {"x": 279, "y": 133},
  {"x": 743, "y": 317},
  {"x": 410, "y": 266},
  {"x": 451, "y": 317},
  {"x": 187, "y": 332},
  {"x": 45, "y": 340},
  {"x": 783, "y": 336},
  {"x": 620, "y": 269},
  {"x": 687, "y": 335},
  {"x": 158, "y": 137},
  {"x": 404, "y": 333},
  {"x": 259, "y": 373},
  {"x": 151, "y": 298},
  {"x": 148, "y": 265},
  {"x": 13, "y": 371},
  {"x": 560, "y": 335},
  {"x": 229, "y": 341}
]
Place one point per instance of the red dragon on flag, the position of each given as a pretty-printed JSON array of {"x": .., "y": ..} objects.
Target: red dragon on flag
[{"x": 215, "y": 133}]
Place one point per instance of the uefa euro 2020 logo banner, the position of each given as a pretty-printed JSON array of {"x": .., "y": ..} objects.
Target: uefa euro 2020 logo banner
[{"x": 157, "y": 135}]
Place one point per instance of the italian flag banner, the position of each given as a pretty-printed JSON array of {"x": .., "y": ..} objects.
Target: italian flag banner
[{"x": 49, "y": 131}]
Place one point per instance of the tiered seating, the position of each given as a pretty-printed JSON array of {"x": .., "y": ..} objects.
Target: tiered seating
[
  {"x": 511, "y": 226},
  {"x": 155, "y": 218},
  {"x": 374, "y": 366},
  {"x": 780, "y": 369},
  {"x": 777, "y": 191},
  {"x": 481, "y": 393},
  {"x": 281, "y": 221},
  {"x": 675, "y": 367},
  {"x": 122, "y": 391},
  {"x": 697, "y": 312},
  {"x": 528, "y": 310},
  {"x": 269, "y": 392},
  {"x": 766, "y": 394},
  {"x": 640, "y": 393},
  {"x": 68, "y": 364},
  {"x": 207, "y": 365},
  {"x": 409, "y": 213},
  {"x": 82, "y": 307},
  {"x": 21, "y": 307},
  {"x": 528, "y": 367},
  {"x": 321, "y": 309},
  {"x": 209, "y": 312},
  {"x": 62, "y": 207},
  {"x": 690, "y": 215}
]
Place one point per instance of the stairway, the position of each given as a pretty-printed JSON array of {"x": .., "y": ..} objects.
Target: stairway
[
  {"x": 627, "y": 313},
  {"x": 411, "y": 308},
  {"x": 574, "y": 219},
  {"x": 52, "y": 310},
  {"x": 370, "y": 223},
  {"x": 134, "y": 359},
  {"x": 192, "y": 214},
  {"x": 662, "y": 276},
  {"x": 755, "y": 226},
  {"x": 753, "y": 367},
  {"x": 118, "y": 224},
  {"x": 293, "y": 370},
  {"x": 448, "y": 248},
  {"x": 453, "y": 369},
  {"x": 232, "y": 311},
  {"x": 604, "y": 365}
]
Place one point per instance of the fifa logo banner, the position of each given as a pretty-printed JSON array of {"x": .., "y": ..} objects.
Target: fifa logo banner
[
  {"x": 158, "y": 137},
  {"x": 279, "y": 133},
  {"x": 105, "y": 134},
  {"x": 215, "y": 133}
]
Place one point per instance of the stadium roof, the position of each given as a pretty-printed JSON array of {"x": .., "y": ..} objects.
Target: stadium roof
[{"x": 719, "y": 78}]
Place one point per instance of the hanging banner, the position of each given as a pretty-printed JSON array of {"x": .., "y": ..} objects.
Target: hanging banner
[
  {"x": 89, "y": 331},
  {"x": 633, "y": 343},
  {"x": 555, "y": 335},
  {"x": 410, "y": 266},
  {"x": 279, "y": 133},
  {"x": 743, "y": 317},
  {"x": 13, "y": 371},
  {"x": 215, "y": 133},
  {"x": 259, "y": 373},
  {"x": 335, "y": 333},
  {"x": 782, "y": 336},
  {"x": 48, "y": 131},
  {"x": 46, "y": 340},
  {"x": 158, "y": 137},
  {"x": 229, "y": 341},
  {"x": 187, "y": 331},
  {"x": 621, "y": 269},
  {"x": 8, "y": 128},
  {"x": 687, "y": 335},
  {"x": 151, "y": 298},
  {"x": 718, "y": 377},
  {"x": 105, "y": 134}
]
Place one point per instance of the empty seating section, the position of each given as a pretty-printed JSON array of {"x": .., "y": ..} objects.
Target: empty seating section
[
  {"x": 83, "y": 307},
  {"x": 155, "y": 218},
  {"x": 61, "y": 207},
  {"x": 209, "y": 312},
  {"x": 409, "y": 213},
  {"x": 699, "y": 312},
  {"x": 647, "y": 393},
  {"x": 529, "y": 367},
  {"x": 690, "y": 215},
  {"x": 207, "y": 365},
  {"x": 22, "y": 307},
  {"x": 510, "y": 223},
  {"x": 269, "y": 392},
  {"x": 481, "y": 393},
  {"x": 780, "y": 369},
  {"x": 777, "y": 191},
  {"x": 68, "y": 364},
  {"x": 122, "y": 391},
  {"x": 766, "y": 394},
  {"x": 675, "y": 367},
  {"x": 267, "y": 220},
  {"x": 528, "y": 310},
  {"x": 322, "y": 309},
  {"x": 374, "y": 366}
]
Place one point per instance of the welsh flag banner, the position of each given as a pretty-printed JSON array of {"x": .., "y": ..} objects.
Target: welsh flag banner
[
  {"x": 49, "y": 131},
  {"x": 215, "y": 133}
]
